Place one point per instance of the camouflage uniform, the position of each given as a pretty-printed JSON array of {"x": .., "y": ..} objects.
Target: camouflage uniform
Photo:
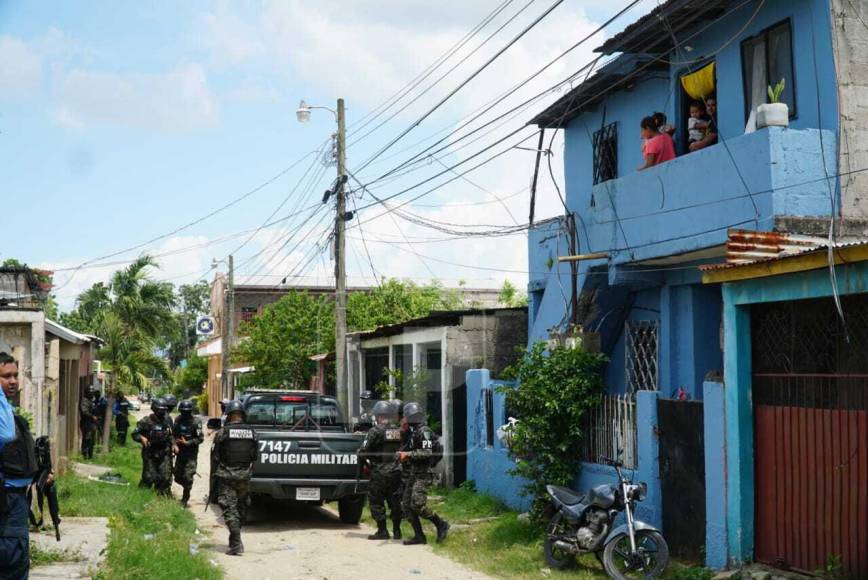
[
  {"x": 190, "y": 428},
  {"x": 420, "y": 472},
  {"x": 87, "y": 407},
  {"x": 424, "y": 451},
  {"x": 233, "y": 468},
  {"x": 157, "y": 456},
  {"x": 380, "y": 447}
]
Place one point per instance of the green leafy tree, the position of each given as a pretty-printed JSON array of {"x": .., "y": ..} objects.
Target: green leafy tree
[
  {"x": 510, "y": 296},
  {"x": 554, "y": 393},
  {"x": 190, "y": 379},
  {"x": 398, "y": 301},
  {"x": 192, "y": 301},
  {"x": 279, "y": 341}
]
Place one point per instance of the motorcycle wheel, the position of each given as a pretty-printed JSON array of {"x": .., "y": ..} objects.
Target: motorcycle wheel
[
  {"x": 650, "y": 561},
  {"x": 555, "y": 557}
]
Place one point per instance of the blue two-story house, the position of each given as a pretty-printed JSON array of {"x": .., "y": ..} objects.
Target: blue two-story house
[{"x": 640, "y": 235}]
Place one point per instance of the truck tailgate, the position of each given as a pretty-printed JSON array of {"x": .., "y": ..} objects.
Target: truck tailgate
[{"x": 306, "y": 454}]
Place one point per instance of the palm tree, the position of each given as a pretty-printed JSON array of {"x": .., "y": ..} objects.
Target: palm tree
[{"x": 130, "y": 315}]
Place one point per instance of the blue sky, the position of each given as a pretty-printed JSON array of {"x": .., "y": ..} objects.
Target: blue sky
[{"x": 122, "y": 121}]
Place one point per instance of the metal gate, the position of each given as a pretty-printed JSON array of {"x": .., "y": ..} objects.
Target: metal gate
[
  {"x": 682, "y": 475},
  {"x": 810, "y": 393}
]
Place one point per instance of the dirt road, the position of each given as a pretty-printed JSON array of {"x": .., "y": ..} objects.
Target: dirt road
[{"x": 296, "y": 541}]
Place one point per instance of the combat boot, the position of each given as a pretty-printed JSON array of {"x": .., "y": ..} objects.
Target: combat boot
[
  {"x": 382, "y": 533},
  {"x": 419, "y": 537},
  {"x": 186, "y": 497},
  {"x": 441, "y": 525},
  {"x": 396, "y": 529},
  {"x": 236, "y": 548}
]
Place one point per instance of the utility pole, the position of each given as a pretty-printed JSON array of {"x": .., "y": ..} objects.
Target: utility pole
[
  {"x": 227, "y": 340},
  {"x": 340, "y": 268}
]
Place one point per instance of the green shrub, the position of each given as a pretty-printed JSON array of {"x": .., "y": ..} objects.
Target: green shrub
[{"x": 555, "y": 390}]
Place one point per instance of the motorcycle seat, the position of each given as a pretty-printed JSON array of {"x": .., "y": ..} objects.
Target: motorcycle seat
[{"x": 566, "y": 496}]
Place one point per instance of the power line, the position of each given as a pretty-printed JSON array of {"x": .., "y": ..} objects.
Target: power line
[
  {"x": 464, "y": 83},
  {"x": 401, "y": 93},
  {"x": 444, "y": 75}
]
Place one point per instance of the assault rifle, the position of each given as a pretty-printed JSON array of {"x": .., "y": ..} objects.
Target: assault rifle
[{"x": 44, "y": 488}]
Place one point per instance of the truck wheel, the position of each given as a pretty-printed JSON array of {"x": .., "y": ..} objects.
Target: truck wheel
[{"x": 350, "y": 508}]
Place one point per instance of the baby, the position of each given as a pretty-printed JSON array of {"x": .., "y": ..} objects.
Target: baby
[{"x": 697, "y": 123}]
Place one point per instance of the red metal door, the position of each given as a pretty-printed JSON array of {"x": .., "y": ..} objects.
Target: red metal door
[{"x": 810, "y": 393}]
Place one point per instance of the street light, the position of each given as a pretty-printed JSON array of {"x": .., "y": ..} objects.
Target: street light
[{"x": 303, "y": 116}]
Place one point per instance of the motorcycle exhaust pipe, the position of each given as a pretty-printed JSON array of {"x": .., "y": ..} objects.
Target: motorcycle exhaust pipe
[{"x": 566, "y": 547}]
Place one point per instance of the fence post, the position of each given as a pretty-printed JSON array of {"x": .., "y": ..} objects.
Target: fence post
[
  {"x": 648, "y": 469},
  {"x": 715, "y": 475}
]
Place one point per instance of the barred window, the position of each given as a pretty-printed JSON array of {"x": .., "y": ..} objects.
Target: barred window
[
  {"x": 641, "y": 355},
  {"x": 606, "y": 153}
]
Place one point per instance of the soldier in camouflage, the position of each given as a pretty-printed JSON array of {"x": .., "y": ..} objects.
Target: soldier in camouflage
[
  {"x": 380, "y": 448},
  {"x": 232, "y": 457},
  {"x": 423, "y": 452},
  {"x": 88, "y": 421},
  {"x": 154, "y": 433},
  {"x": 188, "y": 437}
]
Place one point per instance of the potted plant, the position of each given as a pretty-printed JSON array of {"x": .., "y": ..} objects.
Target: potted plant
[{"x": 774, "y": 113}]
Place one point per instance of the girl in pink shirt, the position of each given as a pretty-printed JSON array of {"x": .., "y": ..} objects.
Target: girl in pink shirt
[{"x": 658, "y": 147}]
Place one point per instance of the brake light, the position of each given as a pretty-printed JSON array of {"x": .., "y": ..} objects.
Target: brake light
[{"x": 293, "y": 399}]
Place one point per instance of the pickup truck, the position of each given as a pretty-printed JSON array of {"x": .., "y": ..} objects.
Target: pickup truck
[{"x": 306, "y": 451}]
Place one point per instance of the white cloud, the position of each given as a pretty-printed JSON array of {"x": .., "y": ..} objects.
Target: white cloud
[
  {"x": 227, "y": 37},
  {"x": 20, "y": 69},
  {"x": 177, "y": 101}
]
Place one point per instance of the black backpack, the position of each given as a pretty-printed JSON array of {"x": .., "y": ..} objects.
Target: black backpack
[{"x": 18, "y": 458}]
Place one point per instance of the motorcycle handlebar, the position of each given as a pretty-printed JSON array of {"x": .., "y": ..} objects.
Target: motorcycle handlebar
[{"x": 609, "y": 461}]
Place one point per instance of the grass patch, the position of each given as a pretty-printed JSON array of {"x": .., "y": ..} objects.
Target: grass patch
[
  {"x": 40, "y": 557},
  {"x": 150, "y": 536}
]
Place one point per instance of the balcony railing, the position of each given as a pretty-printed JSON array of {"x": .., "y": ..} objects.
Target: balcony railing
[{"x": 689, "y": 203}]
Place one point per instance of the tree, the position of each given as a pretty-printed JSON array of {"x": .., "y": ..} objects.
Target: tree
[
  {"x": 397, "y": 301},
  {"x": 279, "y": 341},
  {"x": 555, "y": 391},
  {"x": 193, "y": 300},
  {"x": 190, "y": 379},
  {"x": 510, "y": 296}
]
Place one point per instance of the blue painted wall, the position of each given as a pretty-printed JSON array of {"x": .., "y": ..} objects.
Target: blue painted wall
[
  {"x": 714, "y": 421},
  {"x": 489, "y": 467}
]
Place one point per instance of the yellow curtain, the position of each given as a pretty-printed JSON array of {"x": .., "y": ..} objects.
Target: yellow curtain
[{"x": 699, "y": 84}]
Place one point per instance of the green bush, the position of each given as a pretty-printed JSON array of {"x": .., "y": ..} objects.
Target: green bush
[{"x": 555, "y": 391}]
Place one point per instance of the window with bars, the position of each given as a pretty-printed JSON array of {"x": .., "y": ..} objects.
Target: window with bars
[
  {"x": 606, "y": 153},
  {"x": 641, "y": 355}
]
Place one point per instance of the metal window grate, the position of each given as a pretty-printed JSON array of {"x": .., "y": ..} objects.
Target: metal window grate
[
  {"x": 610, "y": 431},
  {"x": 641, "y": 355},
  {"x": 606, "y": 153}
]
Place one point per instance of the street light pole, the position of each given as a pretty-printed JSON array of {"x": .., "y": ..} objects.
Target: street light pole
[{"x": 340, "y": 268}]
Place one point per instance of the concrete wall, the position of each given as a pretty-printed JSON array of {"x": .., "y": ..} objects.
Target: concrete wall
[
  {"x": 714, "y": 421},
  {"x": 23, "y": 332},
  {"x": 487, "y": 340},
  {"x": 850, "y": 41}
]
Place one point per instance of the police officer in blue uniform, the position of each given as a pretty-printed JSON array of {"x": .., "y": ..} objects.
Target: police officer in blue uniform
[{"x": 17, "y": 468}]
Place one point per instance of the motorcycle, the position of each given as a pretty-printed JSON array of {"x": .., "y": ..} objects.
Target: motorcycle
[{"x": 585, "y": 523}]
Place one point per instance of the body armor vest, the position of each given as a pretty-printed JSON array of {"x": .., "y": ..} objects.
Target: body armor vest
[
  {"x": 238, "y": 449},
  {"x": 18, "y": 457},
  {"x": 159, "y": 436}
]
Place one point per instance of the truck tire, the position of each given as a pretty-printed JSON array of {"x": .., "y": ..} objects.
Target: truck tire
[{"x": 350, "y": 508}]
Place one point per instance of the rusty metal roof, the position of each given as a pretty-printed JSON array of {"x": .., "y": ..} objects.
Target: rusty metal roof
[{"x": 745, "y": 247}]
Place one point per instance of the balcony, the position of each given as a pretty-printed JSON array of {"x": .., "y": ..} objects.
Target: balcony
[
  {"x": 688, "y": 204},
  {"x": 23, "y": 288}
]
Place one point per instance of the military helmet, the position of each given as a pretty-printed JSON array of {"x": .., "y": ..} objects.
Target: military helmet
[
  {"x": 235, "y": 406},
  {"x": 158, "y": 404},
  {"x": 92, "y": 390},
  {"x": 384, "y": 408},
  {"x": 171, "y": 402},
  {"x": 399, "y": 407},
  {"x": 186, "y": 406},
  {"x": 414, "y": 413},
  {"x": 366, "y": 395}
]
